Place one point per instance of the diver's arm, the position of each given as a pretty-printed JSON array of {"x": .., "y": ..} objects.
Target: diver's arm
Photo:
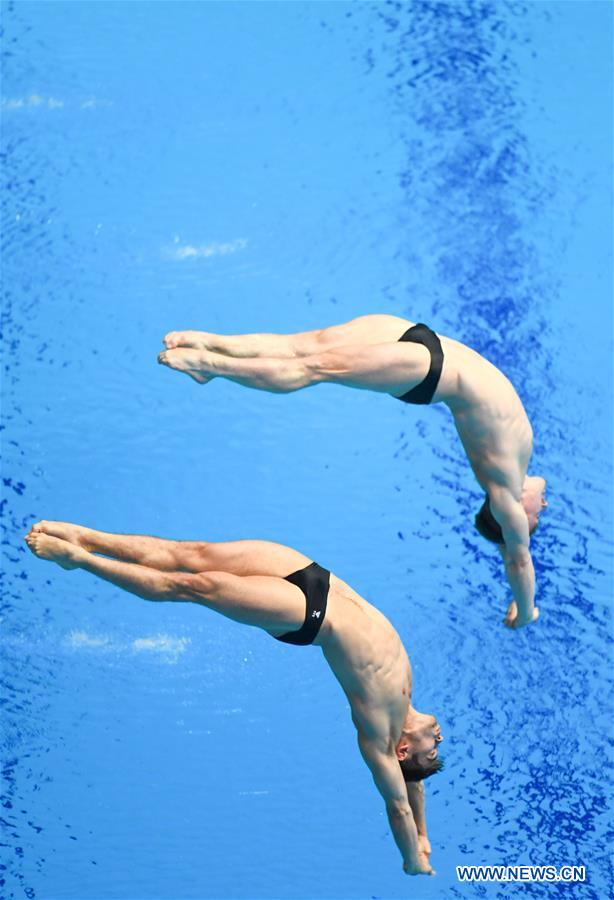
[
  {"x": 416, "y": 794},
  {"x": 389, "y": 781},
  {"x": 516, "y": 555},
  {"x": 416, "y": 797},
  {"x": 521, "y": 578}
]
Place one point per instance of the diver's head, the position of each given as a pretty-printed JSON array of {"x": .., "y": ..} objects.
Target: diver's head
[
  {"x": 533, "y": 502},
  {"x": 533, "y": 499},
  {"x": 418, "y": 747}
]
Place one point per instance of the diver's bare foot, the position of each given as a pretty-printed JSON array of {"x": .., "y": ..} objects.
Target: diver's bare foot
[
  {"x": 185, "y": 361},
  {"x": 66, "y": 531},
  {"x": 198, "y": 340},
  {"x": 55, "y": 550}
]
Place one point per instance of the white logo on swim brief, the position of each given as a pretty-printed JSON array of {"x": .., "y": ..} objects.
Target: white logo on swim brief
[{"x": 316, "y": 614}]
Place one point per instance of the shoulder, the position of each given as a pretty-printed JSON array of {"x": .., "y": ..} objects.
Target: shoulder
[
  {"x": 507, "y": 509},
  {"x": 373, "y": 724},
  {"x": 503, "y": 497},
  {"x": 381, "y": 759}
]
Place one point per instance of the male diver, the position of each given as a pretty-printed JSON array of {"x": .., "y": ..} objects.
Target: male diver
[
  {"x": 296, "y": 601},
  {"x": 394, "y": 356}
]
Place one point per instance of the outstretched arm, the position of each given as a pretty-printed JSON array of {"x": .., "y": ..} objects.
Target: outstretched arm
[
  {"x": 416, "y": 795},
  {"x": 389, "y": 781},
  {"x": 510, "y": 515}
]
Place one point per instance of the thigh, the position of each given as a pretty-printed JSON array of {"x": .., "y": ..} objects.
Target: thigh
[
  {"x": 372, "y": 329},
  {"x": 251, "y": 558},
  {"x": 262, "y": 601},
  {"x": 392, "y": 368}
]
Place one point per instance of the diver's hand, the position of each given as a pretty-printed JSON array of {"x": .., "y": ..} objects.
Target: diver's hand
[
  {"x": 419, "y": 866},
  {"x": 424, "y": 845},
  {"x": 514, "y": 620}
]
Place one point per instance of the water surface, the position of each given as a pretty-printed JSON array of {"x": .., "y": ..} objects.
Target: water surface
[{"x": 244, "y": 167}]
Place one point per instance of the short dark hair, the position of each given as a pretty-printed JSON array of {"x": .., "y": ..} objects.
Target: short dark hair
[
  {"x": 488, "y": 526},
  {"x": 414, "y": 771}
]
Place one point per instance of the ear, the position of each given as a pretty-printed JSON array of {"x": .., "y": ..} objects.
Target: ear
[{"x": 402, "y": 750}]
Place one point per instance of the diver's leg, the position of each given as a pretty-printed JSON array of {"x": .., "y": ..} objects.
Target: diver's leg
[
  {"x": 389, "y": 368},
  {"x": 236, "y": 557},
  {"x": 373, "y": 329},
  {"x": 264, "y": 601},
  {"x": 239, "y": 345},
  {"x": 157, "y": 553}
]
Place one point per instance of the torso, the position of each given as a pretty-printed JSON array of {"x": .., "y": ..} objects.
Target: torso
[
  {"x": 368, "y": 659},
  {"x": 489, "y": 416}
]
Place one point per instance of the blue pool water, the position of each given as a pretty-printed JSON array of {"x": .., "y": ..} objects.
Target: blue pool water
[{"x": 237, "y": 167}]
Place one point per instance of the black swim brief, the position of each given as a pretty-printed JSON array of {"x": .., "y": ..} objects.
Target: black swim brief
[
  {"x": 314, "y": 581},
  {"x": 423, "y": 392}
]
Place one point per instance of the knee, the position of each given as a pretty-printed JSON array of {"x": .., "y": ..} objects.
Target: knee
[
  {"x": 325, "y": 366},
  {"x": 308, "y": 342},
  {"x": 324, "y": 338},
  {"x": 200, "y": 555},
  {"x": 200, "y": 586},
  {"x": 284, "y": 376},
  {"x": 190, "y": 556}
]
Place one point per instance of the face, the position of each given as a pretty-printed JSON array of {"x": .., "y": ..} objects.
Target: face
[
  {"x": 533, "y": 498},
  {"x": 422, "y": 742}
]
